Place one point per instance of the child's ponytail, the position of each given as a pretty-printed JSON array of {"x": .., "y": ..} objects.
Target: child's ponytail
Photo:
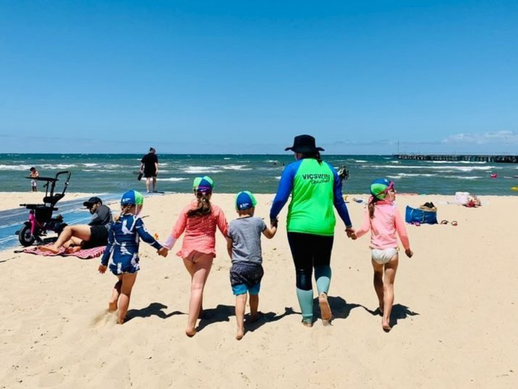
[
  {"x": 203, "y": 207},
  {"x": 372, "y": 203}
]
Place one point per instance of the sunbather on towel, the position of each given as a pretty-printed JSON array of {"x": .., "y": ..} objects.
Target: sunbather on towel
[{"x": 85, "y": 236}]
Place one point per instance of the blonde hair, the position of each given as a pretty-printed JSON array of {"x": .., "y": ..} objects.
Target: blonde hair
[
  {"x": 203, "y": 207},
  {"x": 124, "y": 211}
]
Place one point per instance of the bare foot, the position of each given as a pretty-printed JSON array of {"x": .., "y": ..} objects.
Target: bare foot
[
  {"x": 112, "y": 307},
  {"x": 254, "y": 317},
  {"x": 72, "y": 249},
  {"x": 190, "y": 332},
  {"x": 51, "y": 249},
  {"x": 325, "y": 309},
  {"x": 240, "y": 333},
  {"x": 386, "y": 326}
]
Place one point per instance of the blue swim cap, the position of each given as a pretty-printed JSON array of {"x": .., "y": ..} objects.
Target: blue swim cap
[
  {"x": 245, "y": 200},
  {"x": 203, "y": 184},
  {"x": 132, "y": 197}
]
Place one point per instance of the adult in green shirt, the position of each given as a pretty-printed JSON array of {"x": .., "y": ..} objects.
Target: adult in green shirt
[{"x": 315, "y": 190}]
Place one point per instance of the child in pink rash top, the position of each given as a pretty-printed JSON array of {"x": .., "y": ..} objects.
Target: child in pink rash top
[
  {"x": 383, "y": 219},
  {"x": 199, "y": 221}
]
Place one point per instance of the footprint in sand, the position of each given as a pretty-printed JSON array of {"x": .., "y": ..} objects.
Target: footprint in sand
[{"x": 104, "y": 318}]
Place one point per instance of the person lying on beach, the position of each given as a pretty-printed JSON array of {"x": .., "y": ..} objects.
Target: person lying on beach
[
  {"x": 85, "y": 236},
  {"x": 383, "y": 219},
  {"x": 473, "y": 202},
  {"x": 244, "y": 248},
  {"x": 123, "y": 245},
  {"x": 198, "y": 220}
]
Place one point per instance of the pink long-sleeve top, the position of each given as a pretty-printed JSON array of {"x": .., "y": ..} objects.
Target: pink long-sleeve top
[
  {"x": 200, "y": 232},
  {"x": 386, "y": 223}
]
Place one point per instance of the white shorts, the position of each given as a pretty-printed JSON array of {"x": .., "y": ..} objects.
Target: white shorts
[{"x": 383, "y": 256}]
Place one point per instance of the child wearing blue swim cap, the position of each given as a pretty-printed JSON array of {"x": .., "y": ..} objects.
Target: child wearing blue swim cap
[
  {"x": 121, "y": 254},
  {"x": 244, "y": 248}
]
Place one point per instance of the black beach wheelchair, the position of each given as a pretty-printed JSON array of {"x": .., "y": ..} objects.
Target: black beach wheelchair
[{"x": 40, "y": 215}]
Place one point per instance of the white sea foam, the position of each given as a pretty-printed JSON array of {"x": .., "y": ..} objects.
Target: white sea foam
[
  {"x": 40, "y": 168},
  {"x": 173, "y": 179},
  {"x": 360, "y": 161},
  {"x": 236, "y": 167},
  {"x": 465, "y": 162},
  {"x": 15, "y": 167},
  {"x": 202, "y": 169},
  {"x": 441, "y": 168},
  {"x": 465, "y": 177},
  {"x": 90, "y": 164},
  {"x": 416, "y": 175}
]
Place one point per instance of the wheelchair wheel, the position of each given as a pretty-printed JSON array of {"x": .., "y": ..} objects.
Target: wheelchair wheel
[{"x": 25, "y": 237}]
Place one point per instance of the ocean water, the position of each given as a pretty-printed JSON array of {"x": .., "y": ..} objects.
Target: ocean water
[
  {"x": 116, "y": 173},
  {"x": 111, "y": 175}
]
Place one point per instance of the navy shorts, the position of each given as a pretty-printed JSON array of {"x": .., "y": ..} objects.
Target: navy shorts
[{"x": 245, "y": 277}]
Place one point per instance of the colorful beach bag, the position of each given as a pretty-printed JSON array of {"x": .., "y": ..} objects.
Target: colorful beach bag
[{"x": 421, "y": 216}]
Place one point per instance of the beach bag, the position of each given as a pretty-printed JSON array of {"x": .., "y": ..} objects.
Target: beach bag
[{"x": 421, "y": 216}]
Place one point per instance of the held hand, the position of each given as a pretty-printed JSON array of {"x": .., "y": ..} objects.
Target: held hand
[
  {"x": 163, "y": 252},
  {"x": 102, "y": 269},
  {"x": 350, "y": 233},
  {"x": 409, "y": 253},
  {"x": 274, "y": 222}
]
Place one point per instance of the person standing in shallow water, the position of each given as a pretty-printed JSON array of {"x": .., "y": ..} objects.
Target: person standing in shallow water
[
  {"x": 315, "y": 190},
  {"x": 149, "y": 168},
  {"x": 33, "y": 175}
]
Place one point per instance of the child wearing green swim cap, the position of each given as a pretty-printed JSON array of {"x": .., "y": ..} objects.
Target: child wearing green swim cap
[
  {"x": 384, "y": 220},
  {"x": 198, "y": 221}
]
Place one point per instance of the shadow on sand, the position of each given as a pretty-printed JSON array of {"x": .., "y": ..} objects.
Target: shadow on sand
[
  {"x": 399, "y": 312},
  {"x": 225, "y": 312},
  {"x": 339, "y": 307},
  {"x": 153, "y": 309}
]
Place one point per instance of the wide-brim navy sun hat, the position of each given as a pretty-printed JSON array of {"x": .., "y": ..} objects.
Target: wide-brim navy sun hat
[{"x": 304, "y": 144}]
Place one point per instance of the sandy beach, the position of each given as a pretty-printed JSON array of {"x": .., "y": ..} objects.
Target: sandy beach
[{"x": 454, "y": 319}]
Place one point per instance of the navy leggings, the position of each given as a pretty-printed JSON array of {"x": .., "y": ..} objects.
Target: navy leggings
[{"x": 309, "y": 251}]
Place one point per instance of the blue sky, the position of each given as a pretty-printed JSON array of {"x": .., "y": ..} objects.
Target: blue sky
[{"x": 363, "y": 77}]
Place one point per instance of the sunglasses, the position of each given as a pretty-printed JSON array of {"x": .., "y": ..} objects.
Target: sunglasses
[
  {"x": 203, "y": 193},
  {"x": 390, "y": 187}
]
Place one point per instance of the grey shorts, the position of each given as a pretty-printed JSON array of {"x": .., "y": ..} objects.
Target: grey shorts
[{"x": 383, "y": 256}]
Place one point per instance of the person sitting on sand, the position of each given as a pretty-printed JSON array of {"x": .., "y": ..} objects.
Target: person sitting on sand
[
  {"x": 82, "y": 236},
  {"x": 123, "y": 243},
  {"x": 383, "y": 219},
  {"x": 244, "y": 247}
]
